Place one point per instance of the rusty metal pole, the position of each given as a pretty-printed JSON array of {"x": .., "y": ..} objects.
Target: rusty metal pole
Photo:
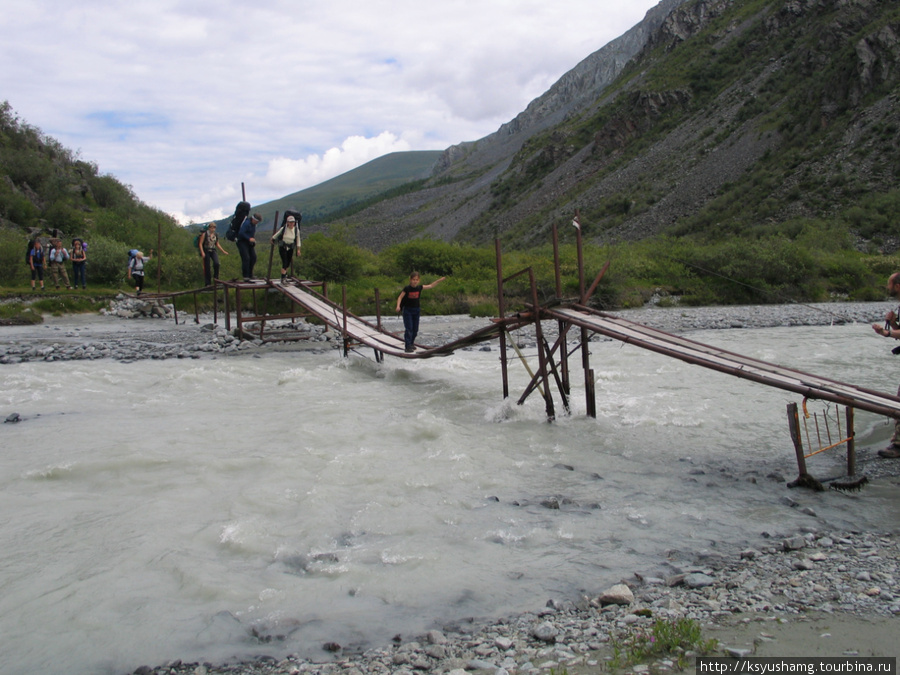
[
  {"x": 238, "y": 314},
  {"x": 794, "y": 425},
  {"x": 271, "y": 247},
  {"x": 379, "y": 356},
  {"x": 561, "y": 325},
  {"x": 378, "y": 308},
  {"x": 851, "y": 443},
  {"x": 501, "y": 309},
  {"x": 542, "y": 357},
  {"x": 159, "y": 257},
  {"x": 344, "y": 327},
  {"x": 227, "y": 309},
  {"x": 590, "y": 399}
]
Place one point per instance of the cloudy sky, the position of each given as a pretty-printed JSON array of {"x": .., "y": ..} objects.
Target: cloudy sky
[{"x": 186, "y": 99}]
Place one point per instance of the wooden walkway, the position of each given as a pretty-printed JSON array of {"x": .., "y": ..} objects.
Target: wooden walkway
[
  {"x": 808, "y": 385},
  {"x": 361, "y": 332}
]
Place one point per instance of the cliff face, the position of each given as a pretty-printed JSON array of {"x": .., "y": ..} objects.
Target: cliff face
[
  {"x": 574, "y": 91},
  {"x": 710, "y": 113}
]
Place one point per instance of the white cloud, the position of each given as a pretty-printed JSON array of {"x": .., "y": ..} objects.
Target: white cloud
[
  {"x": 184, "y": 101},
  {"x": 292, "y": 175}
]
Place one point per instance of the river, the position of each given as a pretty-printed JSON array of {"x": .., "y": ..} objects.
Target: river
[{"x": 230, "y": 507}]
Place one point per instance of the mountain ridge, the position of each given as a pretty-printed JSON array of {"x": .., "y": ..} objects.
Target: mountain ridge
[{"x": 739, "y": 113}]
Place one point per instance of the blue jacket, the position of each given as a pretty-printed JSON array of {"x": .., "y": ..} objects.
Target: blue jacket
[{"x": 248, "y": 230}]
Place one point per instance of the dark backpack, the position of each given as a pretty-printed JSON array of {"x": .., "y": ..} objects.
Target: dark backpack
[
  {"x": 40, "y": 260},
  {"x": 197, "y": 238},
  {"x": 297, "y": 217},
  {"x": 241, "y": 211}
]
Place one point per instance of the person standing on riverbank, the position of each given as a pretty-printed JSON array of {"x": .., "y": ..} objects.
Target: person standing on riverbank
[
  {"x": 136, "y": 270},
  {"x": 36, "y": 262},
  {"x": 79, "y": 261},
  {"x": 246, "y": 243},
  {"x": 408, "y": 302},
  {"x": 209, "y": 251},
  {"x": 58, "y": 257},
  {"x": 891, "y": 329}
]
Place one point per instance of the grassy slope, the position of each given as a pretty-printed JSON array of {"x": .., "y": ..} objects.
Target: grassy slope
[{"x": 379, "y": 175}]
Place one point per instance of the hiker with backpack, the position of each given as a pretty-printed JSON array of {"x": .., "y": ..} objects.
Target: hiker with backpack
[
  {"x": 136, "y": 270},
  {"x": 209, "y": 246},
  {"x": 35, "y": 260},
  {"x": 58, "y": 257},
  {"x": 79, "y": 261},
  {"x": 246, "y": 243},
  {"x": 288, "y": 238}
]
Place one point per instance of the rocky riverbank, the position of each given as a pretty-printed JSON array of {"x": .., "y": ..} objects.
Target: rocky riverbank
[{"x": 751, "y": 602}]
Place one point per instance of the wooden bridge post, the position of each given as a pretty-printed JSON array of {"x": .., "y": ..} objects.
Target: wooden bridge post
[
  {"x": 501, "y": 309},
  {"x": 215, "y": 301},
  {"x": 794, "y": 425}
]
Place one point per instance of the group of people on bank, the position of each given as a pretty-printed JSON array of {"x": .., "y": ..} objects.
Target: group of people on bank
[{"x": 55, "y": 259}]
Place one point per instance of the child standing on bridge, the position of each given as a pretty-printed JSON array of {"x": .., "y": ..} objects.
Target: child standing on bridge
[{"x": 408, "y": 301}]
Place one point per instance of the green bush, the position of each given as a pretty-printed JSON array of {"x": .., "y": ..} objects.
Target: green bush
[
  {"x": 425, "y": 256},
  {"x": 328, "y": 259}
]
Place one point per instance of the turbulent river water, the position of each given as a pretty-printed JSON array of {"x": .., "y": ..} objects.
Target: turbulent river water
[{"x": 204, "y": 509}]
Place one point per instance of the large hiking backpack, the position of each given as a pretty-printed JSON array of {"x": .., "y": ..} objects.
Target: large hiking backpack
[
  {"x": 197, "y": 238},
  {"x": 241, "y": 211},
  {"x": 131, "y": 255},
  {"x": 297, "y": 217},
  {"x": 30, "y": 249}
]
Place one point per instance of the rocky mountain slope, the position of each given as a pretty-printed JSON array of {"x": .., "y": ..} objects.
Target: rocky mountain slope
[{"x": 710, "y": 117}]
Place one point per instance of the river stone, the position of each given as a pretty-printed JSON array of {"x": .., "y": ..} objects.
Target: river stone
[
  {"x": 619, "y": 594},
  {"x": 546, "y": 632},
  {"x": 698, "y": 580}
]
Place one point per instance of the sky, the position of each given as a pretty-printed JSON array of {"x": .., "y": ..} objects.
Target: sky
[{"x": 185, "y": 100}]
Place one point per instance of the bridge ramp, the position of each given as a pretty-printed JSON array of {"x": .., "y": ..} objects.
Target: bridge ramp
[{"x": 690, "y": 351}]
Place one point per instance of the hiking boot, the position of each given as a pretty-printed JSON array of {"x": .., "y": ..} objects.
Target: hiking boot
[
  {"x": 890, "y": 452},
  {"x": 409, "y": 350}
]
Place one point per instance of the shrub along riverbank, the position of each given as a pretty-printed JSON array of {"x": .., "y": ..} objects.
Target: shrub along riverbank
[{"x": 734, "y": 271}]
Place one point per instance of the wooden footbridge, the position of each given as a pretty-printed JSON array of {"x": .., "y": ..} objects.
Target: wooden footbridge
[{"x": 573, "y": 316}]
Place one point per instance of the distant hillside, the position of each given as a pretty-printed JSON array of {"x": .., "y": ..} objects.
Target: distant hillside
[
  {"x": 351, "y": 190},
  {"x": 715, "y": 118},
  {"x": 47, "y": 191}
]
